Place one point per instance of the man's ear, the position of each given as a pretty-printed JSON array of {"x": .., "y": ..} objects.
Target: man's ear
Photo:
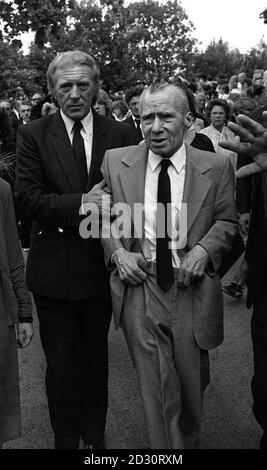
[{"x": 189, "y": 119}]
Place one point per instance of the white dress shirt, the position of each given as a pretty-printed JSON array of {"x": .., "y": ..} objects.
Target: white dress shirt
[
  {"x": 176, "y": 173},
  {"x": 86, "y": 133}
]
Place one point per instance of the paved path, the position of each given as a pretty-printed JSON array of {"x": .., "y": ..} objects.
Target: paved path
[{"x": 228, "y": 422}]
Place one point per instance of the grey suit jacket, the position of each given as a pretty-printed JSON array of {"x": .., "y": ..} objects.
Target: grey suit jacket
[{"x": 211, "y": 222}]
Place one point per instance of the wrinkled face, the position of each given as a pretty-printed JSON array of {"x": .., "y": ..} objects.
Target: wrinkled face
[
  {"x": 74, "y": 90},
  {"x": 25, "y": 112},
  {"x": 134, "y": 106},
  {"x": 165, "y": 118},
  {"x": 217, "y": 117}
]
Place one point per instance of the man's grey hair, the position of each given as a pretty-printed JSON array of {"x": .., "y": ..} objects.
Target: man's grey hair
[
  {"x": 161, "y": 86},
  {"x": 72, "y": 59}
]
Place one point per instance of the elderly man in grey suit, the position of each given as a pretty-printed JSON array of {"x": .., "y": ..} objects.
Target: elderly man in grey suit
[{"x": 167, "y": 296}]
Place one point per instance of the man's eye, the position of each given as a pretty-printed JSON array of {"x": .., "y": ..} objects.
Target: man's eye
[
  {"x": 83, "y": 86},
  {"x": 65, "y": 88}
]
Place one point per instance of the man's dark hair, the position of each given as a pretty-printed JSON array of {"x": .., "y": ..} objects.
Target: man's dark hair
[{"x": 136, "y": 91}]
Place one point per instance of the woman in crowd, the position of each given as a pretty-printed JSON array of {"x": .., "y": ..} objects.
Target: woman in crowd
[
  {"x": 103, "y": 104},
  {"x": 218, "y": 112}
]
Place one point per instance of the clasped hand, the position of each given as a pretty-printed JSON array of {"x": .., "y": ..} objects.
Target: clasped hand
[
  {"x": 131, "y": 266},
  {"x": 99, "y": 197},
  {"x": 192, "y": 266}
]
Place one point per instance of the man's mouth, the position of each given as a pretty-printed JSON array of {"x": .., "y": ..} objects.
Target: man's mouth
[{"x": 158, "y": 141}]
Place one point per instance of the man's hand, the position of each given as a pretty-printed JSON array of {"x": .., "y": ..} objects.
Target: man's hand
[
  {"x": 253, "y": 143},
  {"x": 25, "y": 334},
  {"x": 99, "y": 197},
  {"x": 192, "y": 266},
  {"x": 244, "y": 221},
  {"x": 131, "y": 266}
]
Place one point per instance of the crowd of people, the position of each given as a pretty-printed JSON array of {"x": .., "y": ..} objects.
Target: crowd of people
[{"x": 77, "y": 154}]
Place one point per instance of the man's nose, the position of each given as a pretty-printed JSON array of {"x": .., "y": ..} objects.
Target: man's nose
[
  {"x": 74, "y": 92},
  {"x": 156, "y": 126}
]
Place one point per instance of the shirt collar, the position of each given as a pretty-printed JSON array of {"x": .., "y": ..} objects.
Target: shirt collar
[
  {"x": 86, "y": 121},
  {"x": 178, "y": 159}
]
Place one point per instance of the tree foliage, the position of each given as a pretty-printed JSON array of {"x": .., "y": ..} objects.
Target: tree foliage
[
  {"x": 44, "y": 17},
  {"x": 133, "y": 41},
  {"x": 219, "y": 60}
]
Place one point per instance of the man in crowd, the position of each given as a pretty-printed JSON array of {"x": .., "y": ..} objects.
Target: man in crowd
[
  {"x": 25, "y": 111},
  {"x": 36, "y": 98},
  {"x": 58, "y": 163},
  {"x": 6, "y": 105},
  {"x": 200, "y": 103},
  {"x": 132, "y": 98},
  {"x": 254, "y": 145},
  {"x": 170, "y": 292}
]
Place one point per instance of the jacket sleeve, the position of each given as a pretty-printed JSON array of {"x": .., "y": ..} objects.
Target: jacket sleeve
[
  {"x": 219, "y": 239},
  {"x": 110, "y": 244},
  {"x": 15, "y": 261},
  {"x": 31, "y": 194}
]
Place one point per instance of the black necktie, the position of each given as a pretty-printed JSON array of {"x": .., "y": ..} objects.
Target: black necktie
[
  {"x": 138, "y": 128},
  {"x": 164, "y": 253},
  {"x": 79, "y": 152}
]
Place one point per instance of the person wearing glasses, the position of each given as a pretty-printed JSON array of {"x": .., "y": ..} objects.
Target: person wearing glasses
[{"x": 218, "y": 112}]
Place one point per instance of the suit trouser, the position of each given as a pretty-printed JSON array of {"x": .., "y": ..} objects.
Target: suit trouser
[
  {"x": 172, "y": 370},
  {"x": 74, "y": 336},
  {"x": 259, "y": 340}
]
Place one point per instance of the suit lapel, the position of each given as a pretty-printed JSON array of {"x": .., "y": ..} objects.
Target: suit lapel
[
  {"x": 132, "y": 178},
  {"x": 64, "y": 153},
  {"x": 196, "y": 185}
]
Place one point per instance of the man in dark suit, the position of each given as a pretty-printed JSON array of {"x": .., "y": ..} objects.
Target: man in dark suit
[
  {"x": 254, "y": 146},
  {"x": 132, "y": 98},
  {"x": 59, "y": 158}
]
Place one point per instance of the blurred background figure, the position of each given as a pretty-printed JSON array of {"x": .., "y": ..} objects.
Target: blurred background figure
[
  {"x": 223, "y": 91},
  {"x": 46, "y": 105},
  {"x": 245, "y": 105},
  {"x": 103, "y": 104},
  {"x": 25, "y": 111},
  {"x": 120, "y": 110},
  {"x": 200, "y": 103},
  {"x": 48, "y": 108},
  {"x": 243, "y": 82},
  {"x": 7, "y": 149},
  {"x": 16, "y": 120},
  {"x": 132, "y": 99},
  {"x": 6, "y": 105},
  {"x": 233, "y": 82},
  {"x": 36, "y": 98}
]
